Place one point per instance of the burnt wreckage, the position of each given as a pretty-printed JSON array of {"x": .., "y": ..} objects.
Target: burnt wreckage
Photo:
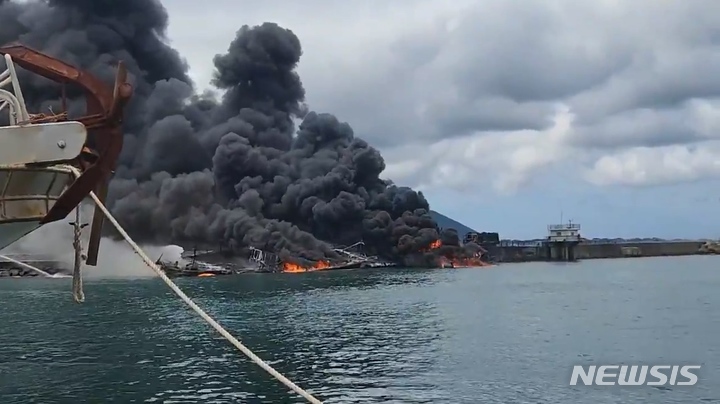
[{"x": 350, "y": 257}]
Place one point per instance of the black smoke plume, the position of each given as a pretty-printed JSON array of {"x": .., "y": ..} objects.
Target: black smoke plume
[{"x": 232, "y": 171}]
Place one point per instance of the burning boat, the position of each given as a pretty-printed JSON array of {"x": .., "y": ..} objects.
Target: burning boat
[
  {"x": 265, "y": 261},
  {"x": 41, "y": 153},
  {"x": 193, "y": 268},
  {"x": 351, "y": 258},
  {"x": 448, "y": 260}
]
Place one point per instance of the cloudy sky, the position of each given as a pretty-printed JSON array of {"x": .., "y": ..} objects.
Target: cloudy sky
[{"x": 508, "y": 114}]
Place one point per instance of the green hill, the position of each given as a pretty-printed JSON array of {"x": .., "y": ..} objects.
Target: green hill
[{"x": 445, "y": 222}]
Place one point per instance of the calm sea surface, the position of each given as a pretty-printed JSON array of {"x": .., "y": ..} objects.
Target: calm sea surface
[{"x": 508, "y": 334}]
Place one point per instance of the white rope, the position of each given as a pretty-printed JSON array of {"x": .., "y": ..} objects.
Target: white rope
[
  {"x": 77, "y": 281},
  {"x": 214, "y": 324}
]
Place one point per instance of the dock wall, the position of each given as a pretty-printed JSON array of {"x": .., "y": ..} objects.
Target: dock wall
[
  {"x": 518, "y": 253},
  {"x": 588, "y": 251}
]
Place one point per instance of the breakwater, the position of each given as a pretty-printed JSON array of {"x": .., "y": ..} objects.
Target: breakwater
[
  {"x": 10, "y": 269},
  {"x": 524, "y": 252}
]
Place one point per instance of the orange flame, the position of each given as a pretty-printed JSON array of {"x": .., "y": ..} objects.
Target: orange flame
[
  {"x": 321, "y": 265},
  {"x": 433, "y": 246},
  {"x": 290, "y": 267}
]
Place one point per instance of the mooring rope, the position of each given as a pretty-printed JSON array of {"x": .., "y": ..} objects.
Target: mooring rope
[
  {"x": 77, "y": 284},
  {"x": 214, "y": 324},
  {"x": 77, "y": 281}
]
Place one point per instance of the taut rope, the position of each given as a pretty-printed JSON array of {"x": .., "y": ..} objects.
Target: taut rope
[{"x": 214, "y": 324}]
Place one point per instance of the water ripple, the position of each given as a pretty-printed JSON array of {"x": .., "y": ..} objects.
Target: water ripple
[{"x": 491, "y": 336}]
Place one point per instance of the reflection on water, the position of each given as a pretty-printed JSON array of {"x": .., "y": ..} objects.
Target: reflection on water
[{"x": 506, "y": 334}]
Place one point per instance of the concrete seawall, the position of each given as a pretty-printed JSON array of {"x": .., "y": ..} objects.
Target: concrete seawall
[
  {"x": 10, "y": 269},
  {"x": 596, "y": 251},
  {"x": 589, "y": 251},
  {"x": 516, "y": 253}
]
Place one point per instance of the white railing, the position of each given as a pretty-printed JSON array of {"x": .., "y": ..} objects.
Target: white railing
[
  {"x": 567, "y": 226},
  {"x": 350, "y": 254},
  {"x": 15, "y": 102}
]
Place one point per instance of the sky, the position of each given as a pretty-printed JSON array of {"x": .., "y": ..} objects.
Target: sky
[{"x": 512, "y": 115}]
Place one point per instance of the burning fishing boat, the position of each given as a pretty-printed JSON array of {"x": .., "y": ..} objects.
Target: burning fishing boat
[
  {"x": 350, "y": 258},
  {"x": 41, "y": 154},
  {"x": 265, "y": 261},
  {"x": 193, "y": 268},
  {"x": 448, "y": 260}
]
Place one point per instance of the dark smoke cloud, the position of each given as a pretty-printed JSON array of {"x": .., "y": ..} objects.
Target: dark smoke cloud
[{"x": 231, "y": 171}]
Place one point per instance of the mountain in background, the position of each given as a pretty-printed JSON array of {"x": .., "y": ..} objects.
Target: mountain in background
[{"x": 445, "y": 222}]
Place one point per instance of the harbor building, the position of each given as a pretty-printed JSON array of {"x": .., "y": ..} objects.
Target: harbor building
[{"x": 562, "y": 241}]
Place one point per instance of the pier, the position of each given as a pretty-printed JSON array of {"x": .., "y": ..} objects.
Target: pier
[
  {"x": 537, "y": 250},
  {"x": 564, "y": 243}
]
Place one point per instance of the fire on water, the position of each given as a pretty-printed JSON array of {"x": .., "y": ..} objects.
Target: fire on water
[{"x": 444, "y": 261}]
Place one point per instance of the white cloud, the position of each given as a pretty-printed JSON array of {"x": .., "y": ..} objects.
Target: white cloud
[
  {"x": 506, "y": 160},
  {"x": 643, "y": 166}
]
